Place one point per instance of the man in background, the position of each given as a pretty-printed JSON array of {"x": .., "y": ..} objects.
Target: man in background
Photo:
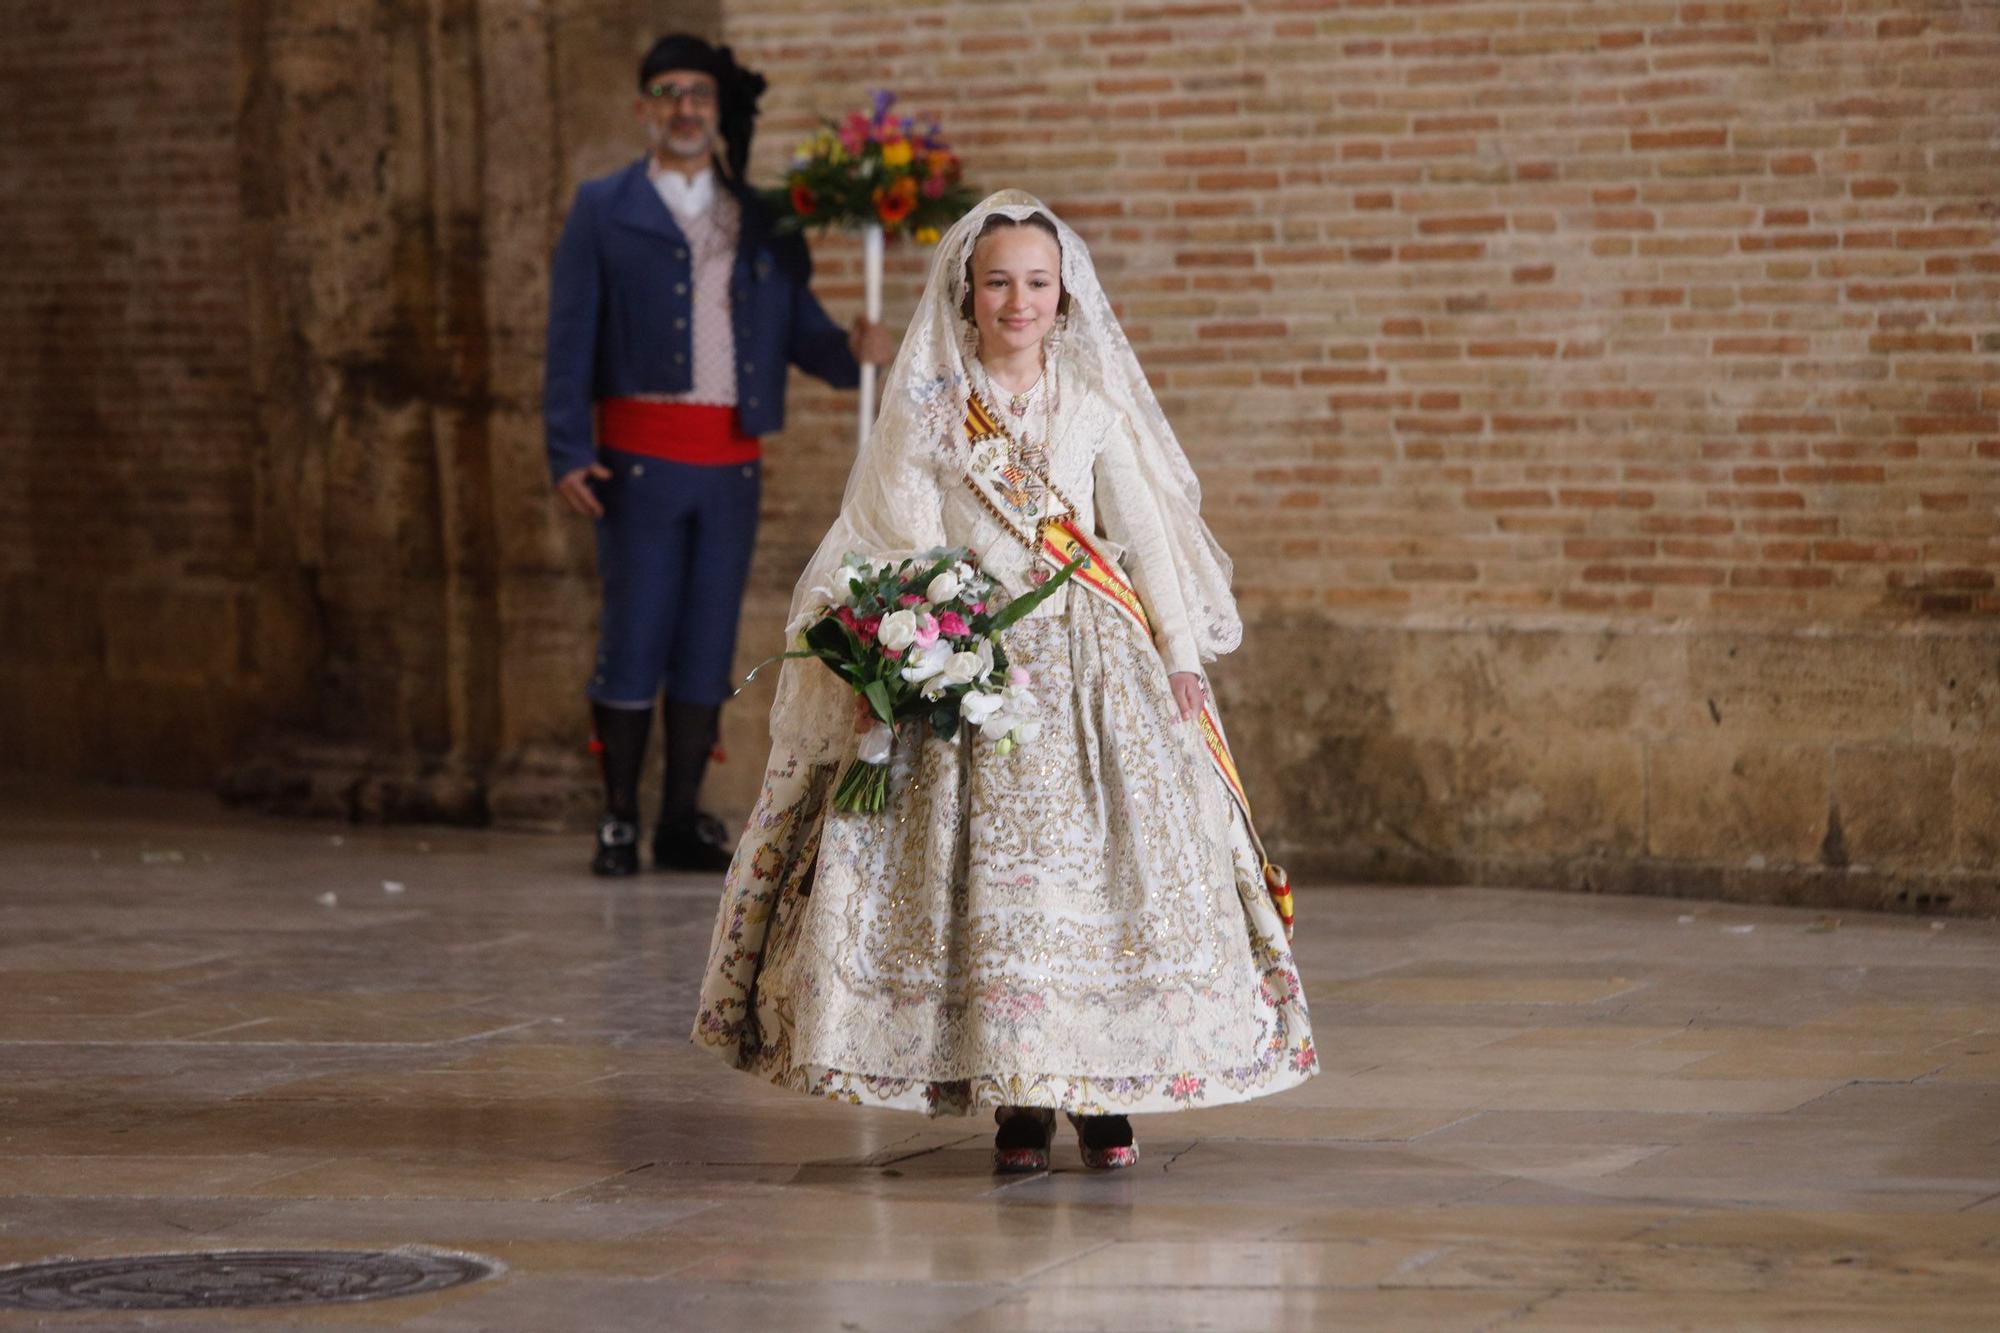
[{"x": 673, "y": 314}]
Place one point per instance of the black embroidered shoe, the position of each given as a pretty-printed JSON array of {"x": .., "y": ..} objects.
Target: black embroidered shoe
[
  {"x": 1105, "y": 1141},
  {"x": 617, "y": 848},
  {"x": 1022, "y": 1145}
]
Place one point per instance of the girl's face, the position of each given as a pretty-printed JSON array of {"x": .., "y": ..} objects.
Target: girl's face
[{"x": 1016, "y": 282}]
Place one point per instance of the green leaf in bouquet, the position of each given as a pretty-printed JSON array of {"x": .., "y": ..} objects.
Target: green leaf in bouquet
[
  {"x": 1028, "y": 601},
  {"x": 878, "y": 699}
]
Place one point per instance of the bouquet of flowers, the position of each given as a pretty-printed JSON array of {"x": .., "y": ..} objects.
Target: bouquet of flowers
[
  {"x": 873, "y": 167},
  {"x": 919, "y": 639}
]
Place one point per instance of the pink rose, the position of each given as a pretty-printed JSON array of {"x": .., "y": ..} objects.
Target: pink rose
[
  {"x": 893, "y": 654},
  {"x": 909, "y": 599},
  {"x": 846, "y": 617},
  {"x": 927, "y": 630},
  {"x": 1017, "y": 675},
  {"x": 979, "y": 608},
  {"x": 868, "y": 627},
  {"x": 953, "y": 626}
]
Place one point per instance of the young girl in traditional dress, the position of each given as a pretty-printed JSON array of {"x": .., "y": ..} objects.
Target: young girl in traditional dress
[{"x": 1078, "y": 924}]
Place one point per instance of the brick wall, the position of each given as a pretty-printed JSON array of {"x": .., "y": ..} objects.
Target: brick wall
[
  {"x": 1654, "y": 309},
  {"x": 128, "y": 629},
  {"x": 1591, "y": 395}
]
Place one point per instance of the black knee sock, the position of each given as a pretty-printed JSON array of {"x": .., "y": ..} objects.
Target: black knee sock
[
  {"x": 622, "y": 733},
  {"x": 690, "y": 738}
]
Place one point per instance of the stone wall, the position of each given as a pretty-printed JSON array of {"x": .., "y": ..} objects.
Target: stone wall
[
  {"x": 134, "y": 626},
  {"x": 1599, "y": 402}
]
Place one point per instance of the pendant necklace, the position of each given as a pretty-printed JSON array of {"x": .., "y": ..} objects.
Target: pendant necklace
[{"x": 1018, "y": 403}]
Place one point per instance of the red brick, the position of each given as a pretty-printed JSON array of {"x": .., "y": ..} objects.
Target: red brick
[
  {"x": 1764, "y": 576},
  {"x": 1520, "y": 499},
  {"x": 1599, "y": 499},
  {"x": 1714, "y": 136}
]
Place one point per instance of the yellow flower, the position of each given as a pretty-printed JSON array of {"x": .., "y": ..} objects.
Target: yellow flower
[
  {"x": 926, "y": 235},
  {"x": 896, "y": 153}
]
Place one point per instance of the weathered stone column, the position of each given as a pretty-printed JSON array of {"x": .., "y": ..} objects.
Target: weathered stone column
[{"x": 405, "y": 170}]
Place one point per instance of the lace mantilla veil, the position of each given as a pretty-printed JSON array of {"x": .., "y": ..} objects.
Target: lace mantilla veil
[{"x": 892, "y": 505}]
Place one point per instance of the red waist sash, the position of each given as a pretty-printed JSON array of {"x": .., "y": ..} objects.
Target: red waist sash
[{"x": 699, "y": 433}]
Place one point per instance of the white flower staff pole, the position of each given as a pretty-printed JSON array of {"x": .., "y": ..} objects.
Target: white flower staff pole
[{"x": 871, "y": 276}]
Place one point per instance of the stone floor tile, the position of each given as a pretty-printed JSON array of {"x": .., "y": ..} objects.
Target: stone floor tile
[
  {"x": 1558, "y": 1111},
  {"x": 1229, "y": 1310},
  {"x": 1705, "y": 1312}
]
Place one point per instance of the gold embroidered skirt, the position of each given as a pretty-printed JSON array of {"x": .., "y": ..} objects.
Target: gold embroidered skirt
[{"x": 1080, "y": 924}]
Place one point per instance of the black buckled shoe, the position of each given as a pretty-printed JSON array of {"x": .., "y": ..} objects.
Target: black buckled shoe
[{"x": 617, "y": 848}]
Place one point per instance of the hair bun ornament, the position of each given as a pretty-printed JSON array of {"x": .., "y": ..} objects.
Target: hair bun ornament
[{"x": 740, "y": 92}]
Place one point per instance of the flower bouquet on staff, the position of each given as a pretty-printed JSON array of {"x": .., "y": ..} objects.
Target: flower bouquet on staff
[
  {"x": 874, "y": 168},
  {"x": 882, "y": 175},
  {"x": 919, "y": 640}
]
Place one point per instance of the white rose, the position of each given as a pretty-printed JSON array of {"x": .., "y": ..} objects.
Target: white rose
[
  {"x": 899, "y": 629},
  {"x": 962, "y": 668},
  {"x": 943, "y": 588}
]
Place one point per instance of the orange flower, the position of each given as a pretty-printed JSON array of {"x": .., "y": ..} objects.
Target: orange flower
[
  {"x": 941, "y": 164},
  {"x": 803, "y": 200},
  {"x": 894, "y": 203}
]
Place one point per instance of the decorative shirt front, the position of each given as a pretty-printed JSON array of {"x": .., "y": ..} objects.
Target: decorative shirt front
[{"x": 711, "y": 220}]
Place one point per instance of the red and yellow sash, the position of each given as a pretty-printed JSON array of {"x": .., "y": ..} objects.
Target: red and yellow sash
[{"x": 1062, "y": 541}]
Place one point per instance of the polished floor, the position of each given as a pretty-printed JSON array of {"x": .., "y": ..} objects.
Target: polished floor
[{"x": 223, "y": 1031}]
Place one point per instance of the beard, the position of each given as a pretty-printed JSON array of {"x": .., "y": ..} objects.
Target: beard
[{"x": 681, "y": 139}]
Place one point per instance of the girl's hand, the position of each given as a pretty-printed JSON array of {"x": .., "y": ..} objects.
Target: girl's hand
[
  {"x": 1190, "y": 693},
  {"x": 864, "y": 716}
]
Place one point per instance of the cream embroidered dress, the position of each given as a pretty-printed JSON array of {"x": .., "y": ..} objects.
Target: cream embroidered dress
[{"x": 1081, "y": 923}]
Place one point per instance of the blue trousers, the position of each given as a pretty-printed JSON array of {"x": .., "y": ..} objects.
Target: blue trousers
[{"x": 673, "y": 551}]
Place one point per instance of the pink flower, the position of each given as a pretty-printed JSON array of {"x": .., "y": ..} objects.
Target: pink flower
[
  {"x": 933, "y": 187},
  {"x": 1017, "y": 675},
  {"x": 854, "y": 132},
  {"x": 893, "y": 654},
  {"x": 909, "y": 599},
  {"x": 868, "y": 628},
  {"x": 846, "y": 616},
  {"x": 953, "y": 626},
  {"x": 978, "y": 608},
  {"x": 927, "y": 630}
]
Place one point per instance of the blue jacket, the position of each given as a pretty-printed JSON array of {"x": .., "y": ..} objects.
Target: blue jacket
[{"x": 620, "y": 312}]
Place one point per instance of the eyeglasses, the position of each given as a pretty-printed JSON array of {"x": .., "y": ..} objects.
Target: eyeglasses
[{"x": 701, "y": 94}]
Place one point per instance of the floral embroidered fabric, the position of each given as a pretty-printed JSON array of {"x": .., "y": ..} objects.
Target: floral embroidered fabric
[{"x": 1080, "y": 924}]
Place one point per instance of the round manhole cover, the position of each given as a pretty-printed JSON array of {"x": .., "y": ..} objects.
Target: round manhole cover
[{"x": 235, "y": 1279}]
